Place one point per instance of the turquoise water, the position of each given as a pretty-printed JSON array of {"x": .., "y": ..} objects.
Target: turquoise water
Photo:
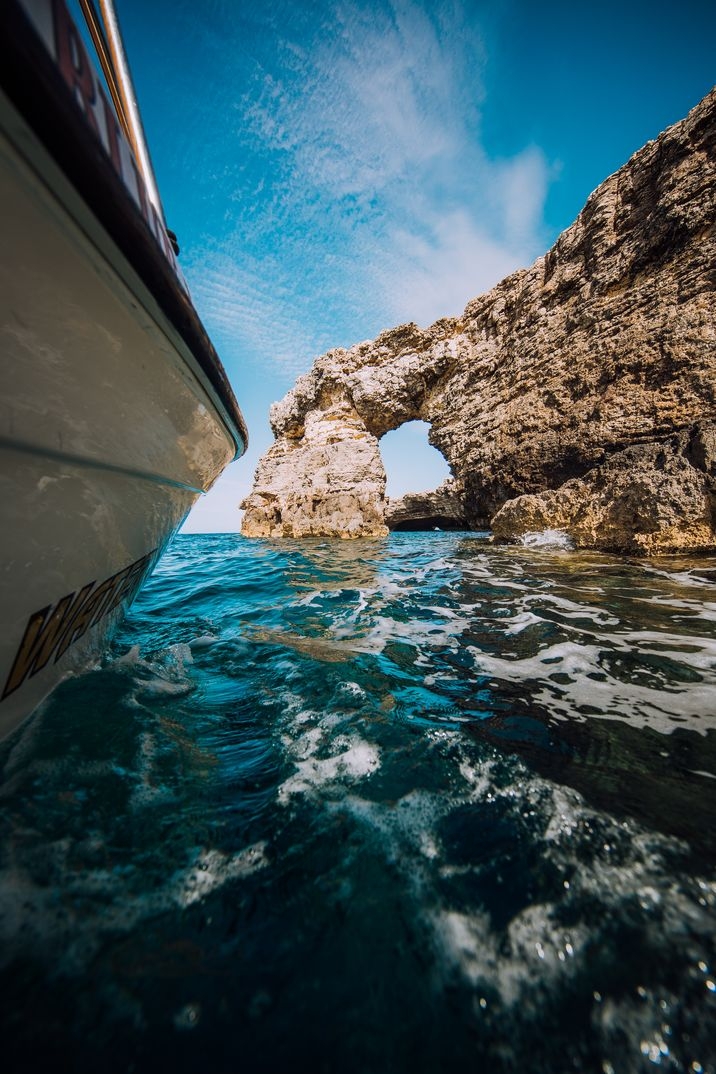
[{"x": 418, "y": 805}]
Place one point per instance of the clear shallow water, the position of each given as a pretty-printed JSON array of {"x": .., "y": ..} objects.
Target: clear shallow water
[{"x": 415, "y": 805}]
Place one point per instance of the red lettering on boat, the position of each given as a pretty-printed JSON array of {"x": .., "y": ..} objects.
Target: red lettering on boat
[{"x": 74, "y": 63}]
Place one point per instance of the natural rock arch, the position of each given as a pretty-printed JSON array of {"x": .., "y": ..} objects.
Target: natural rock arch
[
  {"x": 604, "y": 346},
  {"x": 324, "y": 475}
]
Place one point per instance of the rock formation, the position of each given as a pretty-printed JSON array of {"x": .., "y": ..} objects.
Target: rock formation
[
  {"x": 322, "y": 478},
  {"x": 585, "y": 385},
  {"x": 438, "y": 510},
  {"x": 644, "y": 500}
]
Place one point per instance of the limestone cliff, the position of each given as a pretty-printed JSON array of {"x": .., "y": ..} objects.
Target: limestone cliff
[{"x": 606, "y": 344}]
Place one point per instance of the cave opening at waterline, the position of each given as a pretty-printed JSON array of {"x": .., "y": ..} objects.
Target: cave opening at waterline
[{"x": 413, "y": 466}]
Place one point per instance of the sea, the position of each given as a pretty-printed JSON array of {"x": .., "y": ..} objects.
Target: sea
[{"x": 421, "y": 804}]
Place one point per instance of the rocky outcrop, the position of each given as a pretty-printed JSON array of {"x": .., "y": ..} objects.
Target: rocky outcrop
[
  {"x": 325, "y": 479},
  {"x": 645, "y": 500},
  {"x": 606, "y": 344},
  {"x": 438, "y": 510}
]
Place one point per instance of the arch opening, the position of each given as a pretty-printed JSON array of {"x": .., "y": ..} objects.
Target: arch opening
[
  {"x": 420, "y": 492},
  {"x": 411, "y": 463}
]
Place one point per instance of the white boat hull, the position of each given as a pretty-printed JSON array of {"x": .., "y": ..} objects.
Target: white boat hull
[{"x": 109, "y": 429}]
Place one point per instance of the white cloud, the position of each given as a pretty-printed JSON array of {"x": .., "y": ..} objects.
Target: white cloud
[
  {"x": 523, "y": 184},
  {"x": 368, "y": 198},
  {"x": 374, "y": 98},
  {"x": 427, "y": 278}
]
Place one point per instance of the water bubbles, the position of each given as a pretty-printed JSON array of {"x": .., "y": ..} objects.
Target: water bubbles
[
  {"x": 711, "y": 985},
  {"x": 188, "y": 1016},
  {"x": 654, "y": 1050}
]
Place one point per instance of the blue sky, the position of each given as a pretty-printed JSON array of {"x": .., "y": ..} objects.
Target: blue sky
[{"x": 333, "y": 169}]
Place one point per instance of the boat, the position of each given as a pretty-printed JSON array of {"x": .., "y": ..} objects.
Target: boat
[{"x": 116, "y": 413}]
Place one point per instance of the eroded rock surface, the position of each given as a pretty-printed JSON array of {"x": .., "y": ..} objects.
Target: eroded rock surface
[
  {"x": 606, "y": 343},
  {"x": 442, "y": 509},
  {"x": 326, "y": 481},
  {"x": 645, "y": 500}
]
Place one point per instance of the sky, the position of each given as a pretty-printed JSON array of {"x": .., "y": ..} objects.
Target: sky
[{"x": 333, "y": 169}]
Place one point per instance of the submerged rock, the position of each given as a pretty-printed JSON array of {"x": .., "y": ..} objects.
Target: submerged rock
[{"x": 543, "y": 386}]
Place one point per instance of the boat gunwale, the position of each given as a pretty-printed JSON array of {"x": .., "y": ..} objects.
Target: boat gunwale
[{"x": 35, "y": 86}]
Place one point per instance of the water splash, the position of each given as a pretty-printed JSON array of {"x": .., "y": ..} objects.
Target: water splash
[{"x": 557, "y": 539}]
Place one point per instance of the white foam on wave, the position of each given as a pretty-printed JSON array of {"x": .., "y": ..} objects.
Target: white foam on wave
[
  {"x": 610, "y": 864},
  {"x": 703, "y": 609},
  {"x": 587, "y": 688},
  {"x": 165, "y": 675},
  {"x": 537, "y": 953},
  {"x": 349, "y": 696},
  {"x": 147, "y": 789},
  {"x": 571, "y": 609},
  {"x": 321, "y": 753},
  {"x": 406, "y": 828},
  {"x": 467, "y": 942},
  {"x": 211, "y": 869},
  {"x": 71, "y": 930},
  {"x": 420, "y": 632},
  {"x": 521, "y": 621},
  {"x": 359, "y": 760},
  {"x": 547, "y": 539},
  {"x": 686, "y": 577}
]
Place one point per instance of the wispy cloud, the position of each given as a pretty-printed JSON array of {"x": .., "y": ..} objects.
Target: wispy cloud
[
  {"x": 249, "y": 303},
  {"x": 364, "y": 194}
]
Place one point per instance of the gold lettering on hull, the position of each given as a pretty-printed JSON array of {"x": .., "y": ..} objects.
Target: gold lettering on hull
[{"x": 51, "y": 631}]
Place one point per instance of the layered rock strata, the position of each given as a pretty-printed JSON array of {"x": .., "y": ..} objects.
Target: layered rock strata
[{"x": 606, "y": 344}]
